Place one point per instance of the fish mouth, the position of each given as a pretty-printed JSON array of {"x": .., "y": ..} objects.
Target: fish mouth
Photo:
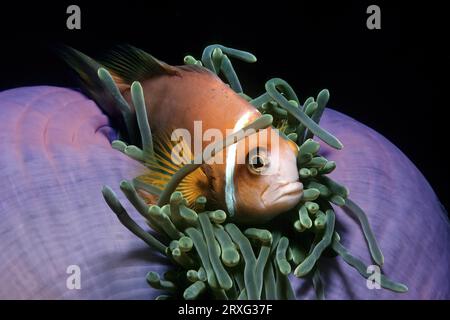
[{"x": 288, "y": 193}]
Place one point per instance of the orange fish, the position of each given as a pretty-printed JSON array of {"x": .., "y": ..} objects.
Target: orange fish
[{"x": 255, "y": 187}]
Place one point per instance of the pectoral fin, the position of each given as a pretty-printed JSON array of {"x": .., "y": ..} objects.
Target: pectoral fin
[{"x": 169, "y": 157}]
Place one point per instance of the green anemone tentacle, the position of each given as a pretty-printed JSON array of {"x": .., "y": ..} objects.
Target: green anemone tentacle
[{"x": 214, "y": 256}]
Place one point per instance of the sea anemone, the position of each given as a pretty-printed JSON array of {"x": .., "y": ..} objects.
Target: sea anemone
[{"x": 212, "y": 255}]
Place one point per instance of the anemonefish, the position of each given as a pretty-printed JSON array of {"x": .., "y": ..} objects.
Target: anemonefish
[{"x": 263, "y": 185}]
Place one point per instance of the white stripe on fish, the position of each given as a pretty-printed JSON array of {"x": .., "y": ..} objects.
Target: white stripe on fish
[{"x": 230, "y": 198}]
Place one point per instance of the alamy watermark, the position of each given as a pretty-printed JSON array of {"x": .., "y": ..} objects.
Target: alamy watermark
[
  {"x": 374, "y": 19},
  {"x": 257, "y": 148},
  {"x": 374, "y": 279},
  {"x": 74, "y": 19},
  {"x": 73, "y": 281}
]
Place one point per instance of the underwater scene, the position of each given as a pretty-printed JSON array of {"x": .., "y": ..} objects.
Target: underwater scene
[{"x": 177, "y": 154}]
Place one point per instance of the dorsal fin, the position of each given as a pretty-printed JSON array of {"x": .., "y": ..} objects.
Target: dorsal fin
[{"x": 129, "y": 64}]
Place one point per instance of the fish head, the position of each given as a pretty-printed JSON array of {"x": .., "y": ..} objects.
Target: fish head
[{"x": 266, "y": 181}]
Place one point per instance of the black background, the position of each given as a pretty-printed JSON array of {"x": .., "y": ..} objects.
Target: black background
[
  {"x": 393, "y": 80},
  {"x": 130, "y": 309}
]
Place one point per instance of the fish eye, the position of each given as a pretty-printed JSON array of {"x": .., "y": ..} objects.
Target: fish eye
[{"x": 258, "y": 160}]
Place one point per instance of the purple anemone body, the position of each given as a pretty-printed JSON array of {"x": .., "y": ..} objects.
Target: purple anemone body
[{"x": 56, "y": 155}]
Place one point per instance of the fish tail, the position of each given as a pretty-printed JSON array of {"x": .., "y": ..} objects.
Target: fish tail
[
  {"x": 105, "y": 80},
  {"x": 104, "y": 93}
]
